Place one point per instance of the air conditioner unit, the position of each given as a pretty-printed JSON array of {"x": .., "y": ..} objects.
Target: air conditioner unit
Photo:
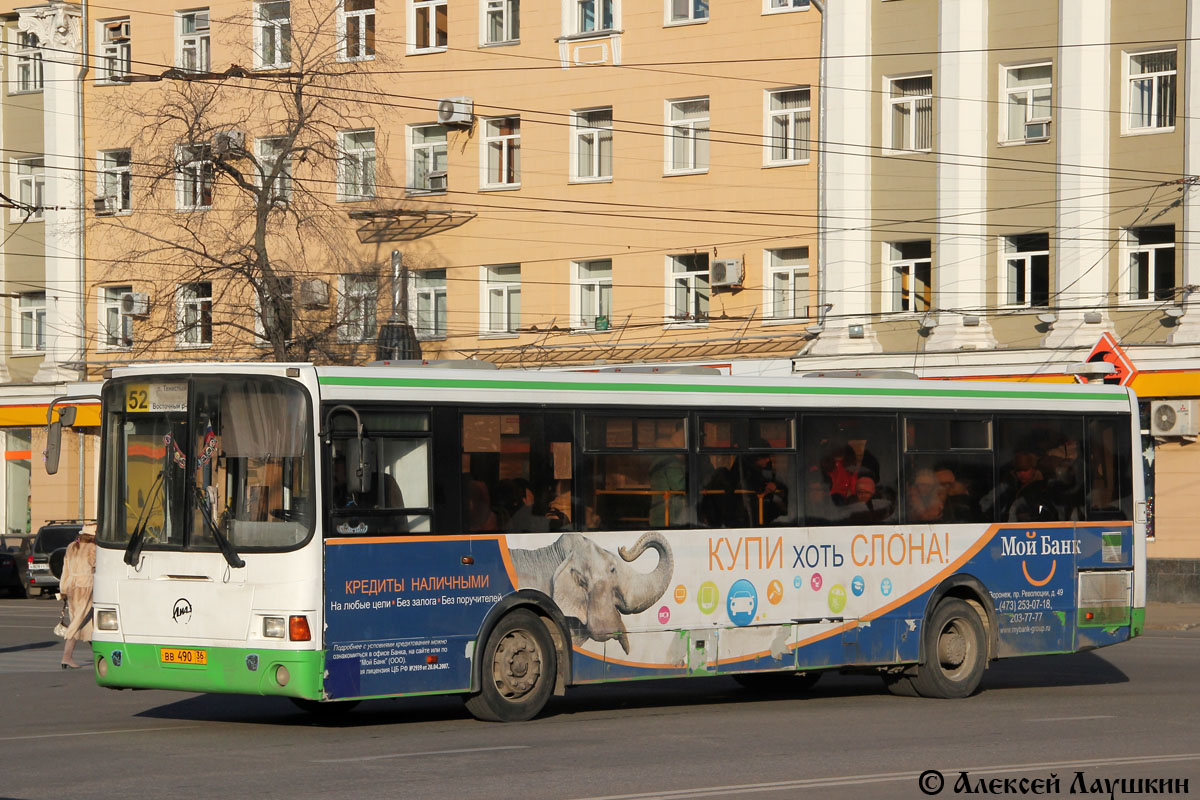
[
  {"x": 135, "y": 304},
  {"x": 226, "y": 143},
  {"x": 1037, "y": 130},
  {"x": 1175, "y": 417},
  {"x": 104, "y": 205},
  {"x": 116, "y": 31},
  {"x": 726, "y": 272},
  {"x": 314, "y": 294},
  {"x": 436, "y": 181},
  {"x": 455, "y": 111}
]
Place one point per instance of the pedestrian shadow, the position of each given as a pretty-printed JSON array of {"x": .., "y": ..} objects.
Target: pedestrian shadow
[{"x": 30, "y": 646}]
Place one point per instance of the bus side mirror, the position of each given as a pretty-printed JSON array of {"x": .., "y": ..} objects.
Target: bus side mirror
[
  {"x": 53, "y": 446},
  {"x": 360, "y": 465}
]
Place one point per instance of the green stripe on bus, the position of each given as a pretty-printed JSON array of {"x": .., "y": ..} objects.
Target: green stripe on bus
[{"x": 467, "y": 383}]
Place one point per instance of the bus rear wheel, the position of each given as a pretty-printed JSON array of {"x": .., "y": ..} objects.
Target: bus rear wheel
[
  {"x": 955, "y": 655},
  {"x": 518, "y": 670}
]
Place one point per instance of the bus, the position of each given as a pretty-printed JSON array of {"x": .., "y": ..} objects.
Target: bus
[{"x": 335, "y": 534}]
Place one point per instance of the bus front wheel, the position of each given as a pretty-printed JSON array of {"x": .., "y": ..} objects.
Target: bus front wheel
[
  {"x": 518, "y": 670},
  {"x": 955, "y": 655}
]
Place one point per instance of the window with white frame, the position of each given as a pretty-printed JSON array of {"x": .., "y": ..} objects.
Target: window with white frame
[
  {"x": 281, "y": 310},
  {"x": 681, "y": 11},
  {"x": 28, "y": 63},
  {"x": 115, "y": 181},
  {"x": 356, "y": 18},
  {"x": 502, "y": 301},
  {"x": 687, "y": 140},
  {"x": 593, "y": 294},
  {"x": 501, "y": 21},
  {"x": 1151, "y": 263},
  {"x": 593, "y": 16},
  {"x": 1151, "y": 90},
  {"x": 194, "y": 177},
  {"x": 116, "y": 327},
  {"x": 910, "y": 113},
  {"x": 31, "y": 310},
  {"x": 193, "y": 54},
  {"x": 502, "y": 152},
  {"x": 787, "y": 126},
  {"x": 777, "y": 6},
  {"x": 427, "y": 158},
  {"x": 689, "y": 289},
  {"x": 786, "y": 282},
  {"x": 356, "y": 169},
  {"x": 358, "y": 303},
  {"x": 193, "y": 314},
  {"x": 116, "y": 59},
  {"x": 272, "y": 153},
  {"x": 1027, "y": 269},
  {"x": 429, "y": 289},
  {"x": 911, "y": 267},
  {"x": 429, "y": 25},
  {"x": 592, "y": 132},
  {"x": 273, "y": 33},
  {"x": 1027, "y": 103},
  {"x": 31, "y": 188}
]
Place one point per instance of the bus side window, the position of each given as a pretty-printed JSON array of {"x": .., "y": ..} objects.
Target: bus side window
[
  {"x": 1109, "y": 481},
  {"x": 849, "y": 472}
]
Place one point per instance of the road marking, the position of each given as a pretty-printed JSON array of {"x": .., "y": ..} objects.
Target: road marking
[
  {"x": 885, "y": 777},
  {"x": 1069, "y": 719},
  {"x": 96, "y": 733},
  {"x": 425, "y": 753}
]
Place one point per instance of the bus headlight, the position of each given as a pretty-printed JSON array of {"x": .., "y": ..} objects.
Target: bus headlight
[
  {"x": 274, "y": 628},
  {"x": 106, "y": 619}
]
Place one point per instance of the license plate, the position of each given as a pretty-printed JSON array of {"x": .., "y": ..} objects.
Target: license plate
[{"x": 182, "y": 655}]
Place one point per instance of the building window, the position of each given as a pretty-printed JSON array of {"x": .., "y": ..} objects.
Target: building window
[
  {"x": 31, "y": 188},
  {"x": 29, "y": 62},
  {"x": 786, "y": 281},
  {"x": 911, "y": 268},
  {"x": 1151, "y": 263},
  {"x": 427, "y": 158},
  {"x": 116, "y": 326},
  {"x": 358, "y": 302},
  {"x": 689, "y": 289},
  {"x": 115, "y": 181},
  {"x": 1151, "y": 90},
  {"x": 502, "y": 147},
  {"x": 593, "y": 294},
  {"x": 501, "y": 21},
  {"x": 194, "y": 177},
  {"x": 356, "y": 180},
  {"x": 1027, "y": 269},
  {"x": 680, "y": 11},
  {"x": 17, "y": 461},
  {"x": 503, "y": 298},
  {"x": 1027, "y": 103},
  {"x": 593, "y": 16},
  {"x": 31, "y": 308},
  {"x": 429, "y": 287},
  {"x": 592, "y": 131},
  {"x": 271, "y": 152},
  {"x": 115, "y": 56},
  {"x": 357, "y": 23},
  {"x": 193, "y": 41},
  {"x": 778, "y": 6},
  {"x": 910, "y": 113},
  {"x": 194, "y": 314},
  {"x": 687, "y": 141},
  {"x": 429, "y": 26},
  {"x": 273, "y": 26},
  {"x": 787, "y": 126}
]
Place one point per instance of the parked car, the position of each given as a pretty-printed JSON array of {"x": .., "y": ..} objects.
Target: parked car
[
  {"x": 51, "y": 538},
  {"x": 12, "y": 574}
]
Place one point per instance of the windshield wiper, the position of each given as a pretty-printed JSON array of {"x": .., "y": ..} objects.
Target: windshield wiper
[
  {"x": 133, "y": 550},
  {"x": 226, "y": 547}
]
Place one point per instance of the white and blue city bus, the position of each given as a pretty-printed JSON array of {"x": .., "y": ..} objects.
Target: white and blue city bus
[{"x": 333, "y": 534}]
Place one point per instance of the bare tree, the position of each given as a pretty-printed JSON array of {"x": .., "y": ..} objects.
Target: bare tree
[{"x": 243, "y": 183}]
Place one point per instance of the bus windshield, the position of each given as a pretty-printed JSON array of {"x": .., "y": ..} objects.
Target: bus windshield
[{"x": 178, "y": 450}]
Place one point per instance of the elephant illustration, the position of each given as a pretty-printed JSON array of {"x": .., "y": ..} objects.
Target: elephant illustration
[{"x": 592, "y": 586}]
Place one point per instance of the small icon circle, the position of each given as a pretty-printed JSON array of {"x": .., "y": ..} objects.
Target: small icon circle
[
  {"x": 837, "y": 598},
  {"x": 664, "y": 615},
  {"x": 680, "y": 593},
  {"x": 742, "y": 602},
  {"x": 815, "y": 582},
  {"x": 775, "y": 592},
  {"x": 885, "y": 586},
  {"x": 708, "y": 597},
  {"x": 858, "y": 585}
]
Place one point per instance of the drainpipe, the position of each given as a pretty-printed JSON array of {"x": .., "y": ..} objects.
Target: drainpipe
[
  {"x": 84, "y": 67},
  {"x": 822, "y": 180}
]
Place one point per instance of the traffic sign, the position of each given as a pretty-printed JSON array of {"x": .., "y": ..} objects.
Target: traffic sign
[{"x": 1107, "y": 350}]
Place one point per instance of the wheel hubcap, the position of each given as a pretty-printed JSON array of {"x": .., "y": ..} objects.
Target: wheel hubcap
[
  {"x": 954, "y": 649},
  {"x": 517, "y": 665}
]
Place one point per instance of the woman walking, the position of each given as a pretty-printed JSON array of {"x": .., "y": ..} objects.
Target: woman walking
[{"x": 79, "y": 566}]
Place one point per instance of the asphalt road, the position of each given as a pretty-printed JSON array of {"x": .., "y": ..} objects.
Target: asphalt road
[{"x": 1129, "y": 712}]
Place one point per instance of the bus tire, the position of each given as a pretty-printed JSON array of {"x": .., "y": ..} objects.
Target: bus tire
[
  {"x": 517, "y": 670},
  {"x": 778, "y": 682},
  {"x": 955, "y": 652}
]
